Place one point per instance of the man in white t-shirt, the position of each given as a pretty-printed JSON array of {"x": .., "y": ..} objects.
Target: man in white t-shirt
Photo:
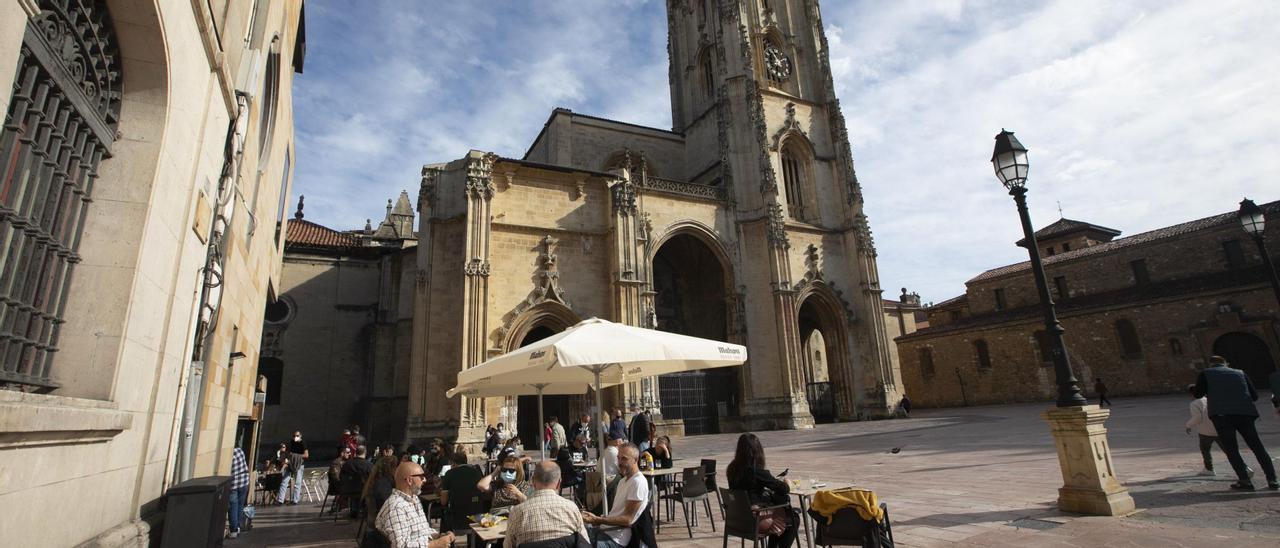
[
  {"x": 628, "y": 502},
  {"x": 611, "y": 456}
]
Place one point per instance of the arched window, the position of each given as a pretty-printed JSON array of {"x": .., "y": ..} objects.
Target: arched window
[
  {"x": 707, "y": 73},
  {"x": 1044, "y": 347},
  {"x": 983, "y": 355},
  {"x": 1175, "y": 347},
  {"x": 795, "y": 180},
  {"x": 60, "y": 122},
  {"x": 926, "y": 362},
  {"x": 1130, "y": 347},
  {"x": 269, "y": 100}
]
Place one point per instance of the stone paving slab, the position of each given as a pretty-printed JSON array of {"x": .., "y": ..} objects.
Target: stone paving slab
[{"x": 980, "y": 476}]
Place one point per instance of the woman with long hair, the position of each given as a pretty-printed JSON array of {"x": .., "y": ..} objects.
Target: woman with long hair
[
  {"x": 749, "y": 473},
  {"x": 381, "y": 481}
]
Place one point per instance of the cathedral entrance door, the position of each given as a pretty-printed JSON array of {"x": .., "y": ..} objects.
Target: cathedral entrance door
[
  {"x": 689, "y": 281},
  {"x": 1247, "y": 353},
  {"x": 813, "y": 351},
  {"x": 528, "y": 423}
]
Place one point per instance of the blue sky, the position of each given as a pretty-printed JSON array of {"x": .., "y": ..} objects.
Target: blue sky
[{"x": 1138, "y": 114}]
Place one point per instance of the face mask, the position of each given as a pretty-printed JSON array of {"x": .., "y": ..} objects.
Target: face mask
[
  {"x": 508, "y": 476},
  {"x": 297, "y": 438}
]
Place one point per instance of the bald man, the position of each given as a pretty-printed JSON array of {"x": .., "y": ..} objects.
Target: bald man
[
  {"x": 401, "y": 518},
  {"x": 545, "y": 515}
]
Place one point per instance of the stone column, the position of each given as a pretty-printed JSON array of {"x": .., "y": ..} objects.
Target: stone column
[
  {"x": 879, "y": 399},
  {"x": 1090, "y": 485},
  {"x": 479, "y": 195}
]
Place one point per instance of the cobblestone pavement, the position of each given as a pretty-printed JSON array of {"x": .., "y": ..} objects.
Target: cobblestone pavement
[{"x": 979, "y": 476}]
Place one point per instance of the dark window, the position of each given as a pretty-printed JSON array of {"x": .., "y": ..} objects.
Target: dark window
[
  {"x": 279, "y": 311},
  {"x": 1130, "y": 347},
  {"x": 926, "y": 362},
  {"x": 983, "y": 355},
  {"x": 60, "y": 121},
  {"x": 1235, "y": 254},
  {"x": 955, "y": 315},
  {"x": 1001, "y": 304},
  {"x": 273, "y": 370},
  {"x": 1043, "y": 347},
  {"x": 1066, "y": 247},
  {"x": 1140, "y": 275},
  {"x": 1060, "y": 284},
  {"x": 1049, "y": 251},
  {"x": 793, "y": 179},
  {"x": 1175, "y": 347}
]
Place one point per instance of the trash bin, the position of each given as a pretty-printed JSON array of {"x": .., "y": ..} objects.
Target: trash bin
[{"x": 196, "y": 512}]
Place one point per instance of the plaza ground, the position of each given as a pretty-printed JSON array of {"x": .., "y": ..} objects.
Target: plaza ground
[{"x": 978, "y": 476}]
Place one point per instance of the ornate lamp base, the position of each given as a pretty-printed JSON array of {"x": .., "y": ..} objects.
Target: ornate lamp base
[{"x": 1089, "y": 482}]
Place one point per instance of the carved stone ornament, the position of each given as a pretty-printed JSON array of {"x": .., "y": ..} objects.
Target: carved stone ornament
[
  {"x": 724, "y": 121},
  {"x": 427, "y": 190},
  {"x": 579, "y": 187},
  {"x": 776, "y": 63},
  {"x": 790, "y": 125},
  {"x": 624, "y": 197},
  {"x": 477, "y": 267},
  {"x": 480, "y": 176},
  {"x": 729, "y": 10},
  {"x": 546, "y": 286},
  {"x": 777, "y": 227},
  {"x": 844, "y": 154},
  {"x": 811, "y": 263},
  {"x": 768, "y": 179},
  {"x": 862, "y": 231}
]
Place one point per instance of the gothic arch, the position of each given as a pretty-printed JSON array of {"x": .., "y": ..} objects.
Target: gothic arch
[
  {"x": 549, "y": 314},
  {"x": 795, "y": 157},
  {"x": 636, "y": 161},
  {"x": 816, "y": 297},
  {"x": 705, "y": 235}
]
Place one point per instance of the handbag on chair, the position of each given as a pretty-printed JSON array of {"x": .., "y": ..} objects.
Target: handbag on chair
[{"x": 770, "y": 521}]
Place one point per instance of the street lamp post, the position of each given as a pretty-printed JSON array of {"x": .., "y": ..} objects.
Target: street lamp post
[
  {"x": 1089, "y": 482},
  {"x": 1254, "y": 223},
  {"x": 1010, "y": 162}
]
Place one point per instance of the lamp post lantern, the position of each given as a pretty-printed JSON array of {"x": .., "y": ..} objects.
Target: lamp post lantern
[
  {"x": 1254, "y": 224},
  {"x": 1010, "y": 162}
]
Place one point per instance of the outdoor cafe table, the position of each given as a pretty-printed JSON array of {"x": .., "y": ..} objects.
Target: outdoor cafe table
[
  {"x": 490, "y": 535},
  {"x": 804, "y": 489}
]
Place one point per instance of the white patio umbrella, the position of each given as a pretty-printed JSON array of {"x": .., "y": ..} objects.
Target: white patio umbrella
[
  {"x": 486, "y": 388},
  {"x": 603, "y": 353}
]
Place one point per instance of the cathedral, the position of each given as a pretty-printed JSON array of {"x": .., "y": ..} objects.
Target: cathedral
[{"x": 743, "y": 223}]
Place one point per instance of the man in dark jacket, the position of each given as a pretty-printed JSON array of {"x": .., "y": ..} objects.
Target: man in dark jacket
[
  {"x": 639, "y": 428},
  {"x": 1231, "y": 408},
  {"x": 355, "y": 472}
]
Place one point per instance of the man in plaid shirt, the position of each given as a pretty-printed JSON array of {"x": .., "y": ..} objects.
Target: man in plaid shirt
[
  {"x": 545, "y": 515},
  {"x": 401, "y": 518},
  {"x": 239, "y": 490}
]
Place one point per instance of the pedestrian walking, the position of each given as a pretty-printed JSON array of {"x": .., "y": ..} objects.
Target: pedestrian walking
[
  {"x": 1100, "y": 388},
  {"x": 558, "y": 438},
  {"x": 1200, "y": 423},
  {"x": 1231, "y": 408},
  {"x": 239, "y": 492}
]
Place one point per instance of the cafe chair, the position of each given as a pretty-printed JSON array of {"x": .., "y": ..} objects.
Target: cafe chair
[
  {"x": 331, "y": 494},
  {"x": 709, "y": 466},
  {"x": 847, "y": 528},
  {"x": 693, "y": 490},
  {"x": 740, "y": 518},
  {"x": 572, "y": 540}
]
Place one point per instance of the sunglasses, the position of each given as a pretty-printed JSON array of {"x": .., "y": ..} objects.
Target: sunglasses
[
  {"x": 423, "y": 476},
  {"x": 512, "y": 470}
]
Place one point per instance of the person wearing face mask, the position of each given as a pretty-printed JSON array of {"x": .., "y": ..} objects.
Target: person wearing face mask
[
  {"x": 506, "y": 484},
  {"x": 298, "y": 455}
]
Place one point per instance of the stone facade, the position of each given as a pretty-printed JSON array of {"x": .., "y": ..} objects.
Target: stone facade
[
  {"x": 335, "y": 346},
  {"x": 1143, "y": 312},
  {"x": 142, "y": 98},
  {"x": 742, "y": 223}
]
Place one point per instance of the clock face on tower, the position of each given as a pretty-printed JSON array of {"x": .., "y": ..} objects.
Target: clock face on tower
[{"x": 776, "y": 63}]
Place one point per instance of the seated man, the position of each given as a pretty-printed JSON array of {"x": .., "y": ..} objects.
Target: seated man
[
  {"x": 355, "y": 472},
  {"x": 401, "y": 519},
  {"x": 459, "y": 481},
  {"x": 578, "y": 451},
  {"x": 610, "y": 464},
  {"x": 628, "y": 502},
  {"x": 545, "y": 515}
]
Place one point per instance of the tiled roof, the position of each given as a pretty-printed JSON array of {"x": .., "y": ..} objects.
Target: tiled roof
[
  {"x": 951, "y": 301},
  {"x": 1271, "y": 209},
  {"x": 1065, "y": 226},
  {"x": 304, "y": 233}
]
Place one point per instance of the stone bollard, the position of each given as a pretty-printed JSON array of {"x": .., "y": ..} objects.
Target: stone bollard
[{"x": 1090, "y": 485}]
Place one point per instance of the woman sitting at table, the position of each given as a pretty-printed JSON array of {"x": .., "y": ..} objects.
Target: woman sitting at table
[
  {"x": 506, "y": 484},
  {"x": 569, "y": 474},
  {"x": 380, "y": 484},
  {"x": 661, "y": 452},
  {"x": 747, "y": 472}
]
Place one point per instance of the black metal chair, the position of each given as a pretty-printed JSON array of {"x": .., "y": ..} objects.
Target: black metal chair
[
  {"x": 642, "y": 531},
  {"x": 692, "y": 491},
  {"x": 572, "y": 540},
  {"x": 847, "y": 528},
  {"x": 709, "y": 466},
  {"x": 740, "y": 518}
]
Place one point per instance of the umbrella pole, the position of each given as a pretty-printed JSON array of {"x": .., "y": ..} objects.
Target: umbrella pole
[
  {"x": 542, "y": 433},
  {"x": 604, "y": 482}
]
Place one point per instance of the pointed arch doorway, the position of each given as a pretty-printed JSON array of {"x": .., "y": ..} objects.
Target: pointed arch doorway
[
  {"x": 690, "y": 282},
  {"x": 825, "y": 365},
  {"x": 1248, "y": 353}
]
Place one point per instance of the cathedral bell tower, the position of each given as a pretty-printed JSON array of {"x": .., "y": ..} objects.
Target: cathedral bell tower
[{"x": 752, "y": 93}]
